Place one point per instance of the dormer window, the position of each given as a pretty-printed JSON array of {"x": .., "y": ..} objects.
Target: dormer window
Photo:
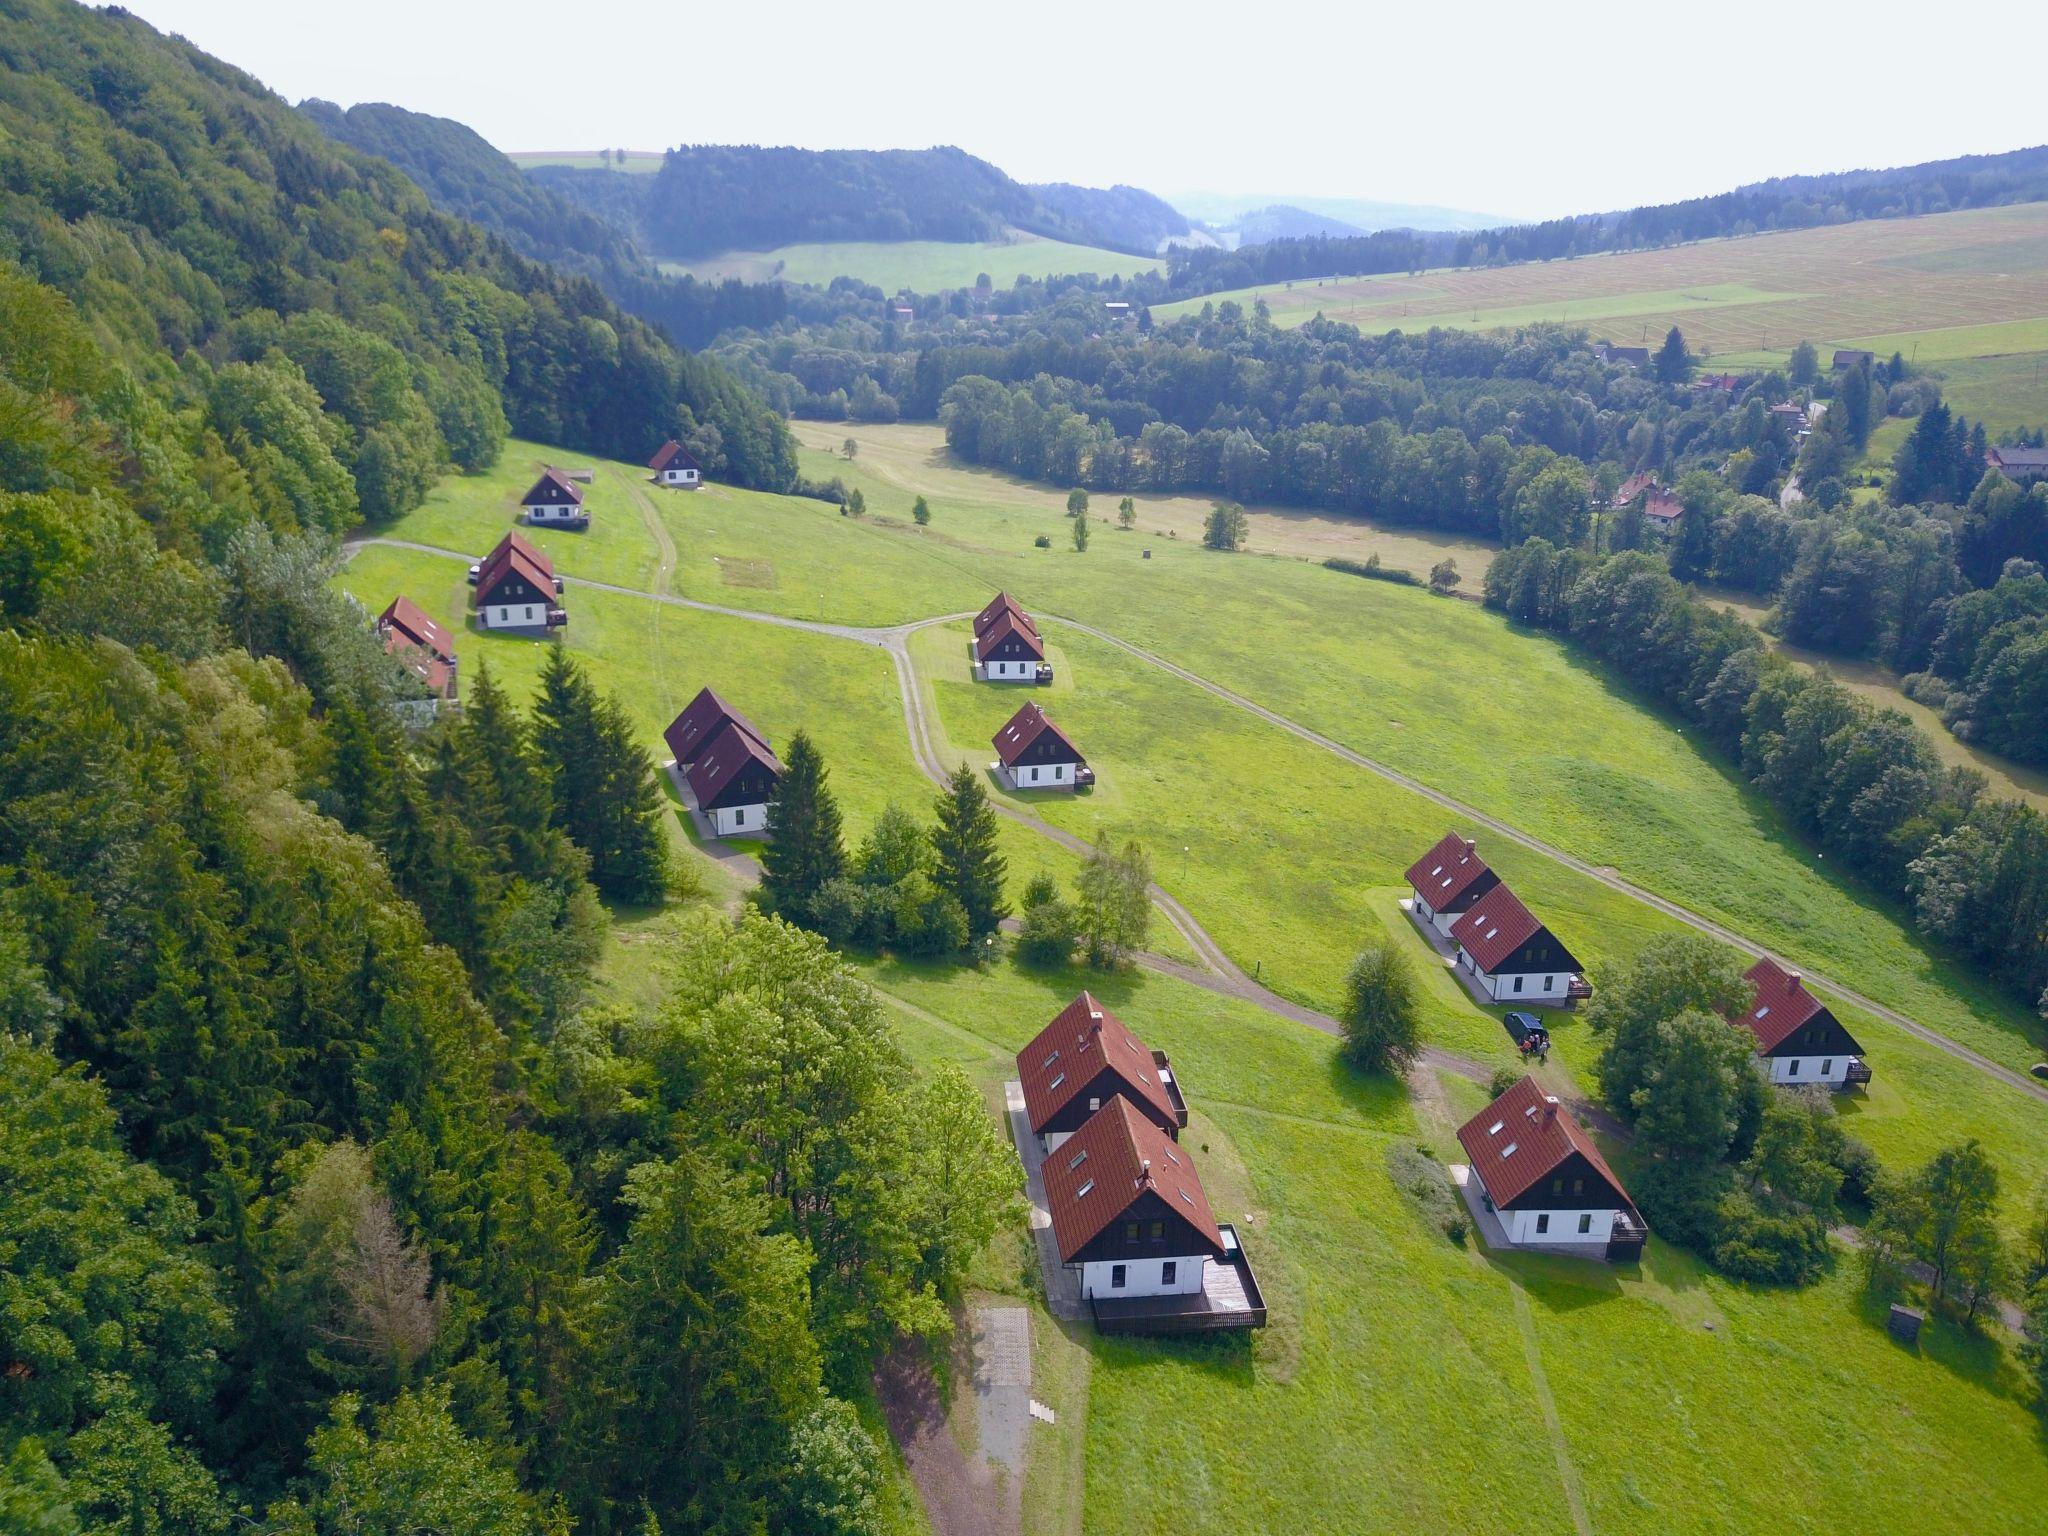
[
  {"x": 1082, "y": 1192},
  {"x": 1057, "y": 1081},
  {"x": 1055, "y": 1056},
  {"x": 1080, "y": 1157}
]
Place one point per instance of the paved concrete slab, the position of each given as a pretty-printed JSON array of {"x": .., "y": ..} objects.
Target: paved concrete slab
[
  {"x": 1062, "y": 1285},
  {"x": 1002, "y": 1383}
]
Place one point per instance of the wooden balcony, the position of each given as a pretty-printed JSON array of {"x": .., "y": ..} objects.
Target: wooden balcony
[
  {"x": 1173, "y": 1093},
  {"x": 1578, "y": 989},
  {"x": 1229, "y": 1298},
  {"x": 1858, "y": 1074},
  {"x": 1625, "y": 1241}
]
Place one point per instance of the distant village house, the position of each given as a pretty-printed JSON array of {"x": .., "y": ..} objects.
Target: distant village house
[
  {"x": 555, "y": 500},
  {"x": 420, "y": 645},
  {"x": 676, "y": 466},
  {"x": 1848, "y": 357},
  {"x": 516, "y": 588},
  {"x": 1543, "y": 1178},
  {"x": 1513, "y": 957},
  {"x": 1084, "y": 1058},
  {"x": 1033, "y": 753},
  {"x": 2021, "y": 464},
  {"x": 1798, "y": 1040}
]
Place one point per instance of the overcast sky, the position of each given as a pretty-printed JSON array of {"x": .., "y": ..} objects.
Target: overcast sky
[{"x": 1521, "y": 110}]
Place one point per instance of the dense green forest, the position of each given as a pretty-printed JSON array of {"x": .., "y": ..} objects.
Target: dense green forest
[
  {"x": 220, "y": 244},
  {"x": 721, "y": 197},
  {"x": 340, "y": 1197},
  {"x": 468, "y": 178}
]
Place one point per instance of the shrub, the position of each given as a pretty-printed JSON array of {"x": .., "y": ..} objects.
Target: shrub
[
  {"x": 1372, "y": 570},
  {"x": 1861, "y": 1171},
  {"x": 1051, "y": 926},
  {"x": 1043, "y": 541},
  {"x": 1426, "y": 1182},
  {"x": 1782, "y": 1247},
  {"x": 1503, "y": 1079}
]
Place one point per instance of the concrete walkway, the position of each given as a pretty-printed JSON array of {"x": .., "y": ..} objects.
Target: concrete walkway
[
  {"x": 1062, "y": 1285},
  {"x": 1002, "y": 1385},
  {"x": 737, "y": 862}
]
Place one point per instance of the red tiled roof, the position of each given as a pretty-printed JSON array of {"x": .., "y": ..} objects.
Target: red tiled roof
[
  {"x": 702, "y": 716},
  {"x": 1065, "y": 1056},
  {"x": 1634, "y": 486},
  {"x": 729, "y": 749},
  {"x": 1443, "y": 874},
  {"x": 671, "y": 450},
  {"x": 407, "y": 620},
  {"x": 552, "y": 480},
  {"x": 539, "y": 573},
  {"x": 1495, "y": 926},
  {"x": 1105, "y": 1166},
  {"x": 999, "y": 605},
  {"x": 539, "y": 568},
  {"x": 1006, "y": 625},
  {"x": 1024, "y": 728},
  {"x": 1663, "y": 506},
  {"x": 1782, "y": 1004},
  {"x": 1536, "y": 1135}
]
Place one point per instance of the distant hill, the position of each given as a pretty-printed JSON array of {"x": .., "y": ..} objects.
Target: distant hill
[
  {"x": 1283, "y": 222},
  {"x": 464, "y": 175},
  {"x": 1362, "y": 215},
  {"x": 708, "y": 198}
]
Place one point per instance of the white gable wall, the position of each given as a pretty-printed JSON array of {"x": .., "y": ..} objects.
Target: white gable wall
[
  {"x": 1559, "y": 1226},
  {"x": 740, "y": 818},
  {"x": 1143, "y": 1277},
  {"x": 514, "y": 615},
  {"x": 1801, "y": 1071}
]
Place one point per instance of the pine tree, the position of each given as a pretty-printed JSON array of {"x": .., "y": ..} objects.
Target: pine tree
[
  {"x": 804, "y": 849},
  {"x": 499, "y": 752},
  {"x": 1672, "y": 364},
  {"x": 359, "y": 772},
  {"x": 629, "y": 859},
  {"x": 964, "y": 846},
  {"x": 565, "y": 743}
]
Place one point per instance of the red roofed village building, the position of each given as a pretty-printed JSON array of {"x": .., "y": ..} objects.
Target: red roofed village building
[
  {"x": 676, "y": 466},
  {"x": 556, "y": 501},
  {"x": 420, "y": 645},
  {"x": 1034, "y": 754},
  {"x": 1545, "y": 1179},
  {"x": 1514, "y": 958},
  {"x": 1798, "y": 1040},
  {"x": 1129, "y": 1213},
  {"x": 1447, "y": 880},
  {"x": 730, "y": 770},
  {"x": 1007, "y": 647},
  {"x": 1084, "y": 1058},
  {"x": 516, "y": 588}
]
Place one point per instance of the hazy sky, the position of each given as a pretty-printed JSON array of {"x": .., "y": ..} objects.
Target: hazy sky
[{"x": 1522, "y": 110}]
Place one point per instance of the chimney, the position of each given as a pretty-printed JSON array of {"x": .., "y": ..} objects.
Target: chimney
[
  {"x": 1470, "y": 846},
  {"x": 1796, "y": 978}
]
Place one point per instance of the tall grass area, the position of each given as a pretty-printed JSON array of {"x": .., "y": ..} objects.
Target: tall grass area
[
  {"x": 1395, "y": 1389},
  {"x": 922, "y": 266}
]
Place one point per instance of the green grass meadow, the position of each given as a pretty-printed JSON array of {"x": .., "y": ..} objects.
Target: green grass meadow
[{"x": 921, "y": 266}]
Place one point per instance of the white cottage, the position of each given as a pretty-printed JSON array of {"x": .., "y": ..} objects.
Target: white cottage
[
  {"x": 556, "y": 501},
  {"x": 1128, "y": 1211},
  {"x": 676, "y": 467},
  {"x": 1084, "y": 1058},
  {"x": 1799, "y": 1042},
  {"x": 1514, "y": 958},
  {"x": 732, "y": 779},
  {"x": 1447, "y": 880},
  {"x": 516, "y": 588},
  {"x": 1007, "y": 646},
  {"x": 1035, "y": 754},
  {"x": 1543, "y": 1177}
]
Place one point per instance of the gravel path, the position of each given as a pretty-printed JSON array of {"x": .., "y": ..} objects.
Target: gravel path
[{"x": 895, "y": 640}]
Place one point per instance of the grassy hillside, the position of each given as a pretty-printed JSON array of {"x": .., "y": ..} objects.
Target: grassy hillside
[
  {"x": 1968, "y": 291},
  {"x": 924, "y": 266}
]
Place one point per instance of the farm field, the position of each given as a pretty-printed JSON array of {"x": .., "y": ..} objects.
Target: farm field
[
  {"x": 643, "y": 162},
  {"x": 1396, "y": 1363},
  {"x": 1967, "y": 289},
  {"x": 922, "y": 266},
  {"x": 1289, "y": 851}
]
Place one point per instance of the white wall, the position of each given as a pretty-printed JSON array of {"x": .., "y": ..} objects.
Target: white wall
[
  {"x": 1141, "y": 1278},
  {"x": 679, "y": 477},
  {"x": 1537, "y": 986},
  {"x": 1043, "y": 775},
  {"x": 1012, "y": 671},
  {"x": 515, "y": 616},
  {"x": 740, "y": 818},
  {"x": 1832, "y": 1071},
  {"x": 1563, "y": 1226},
  {"x": 549, "y": 513},
  {"x": 1440, "y": 921}
]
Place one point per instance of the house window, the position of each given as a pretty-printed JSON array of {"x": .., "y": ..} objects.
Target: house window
[
  {"x": 1557, "y": 1186},
  {"x": 1827, "y": 1066},
  {"x": 1168, "y": 1270},
  {"x": 1792, "y": 1067},
  {"x": 1094, "y": 1105},
  {"x": 1158, "y": 1230},
  {"x": 1543, "y": 1222},
  {"x": 1116, "y": 1277},
  {"x": 1586, "y": 1223},
  {"x": 1549, "y": 982},
  {"x": 1578, "y": 1186},
  {"x": 1130, "y": 1231},
  {"x": 529, "y": 612},
  {"x": 1518, "y": 984}
]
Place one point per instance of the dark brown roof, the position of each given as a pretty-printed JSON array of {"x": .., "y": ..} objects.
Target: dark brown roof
[
  {"x": 406, "y": 620},
  {"x": 539, "y": 573},
  {"x": 999, "y": 605},
  {"x": 676, "y": 451},
  {"x": 1520, "y": 1139},
  {"x": 2029, "y": 459},
  {"x": 1065, "y": 1057},
  {"x": 1444, "y": 873},
  {"x": 1495, "y": 926},
  {"x": 1024, "y": 728},
  {"x": 728, "y": 750},
  {"x": 702, "y": 716},
  {"x": 1006, "y": 626},
  {"x": 551, "y": 490},
  {"x": 1781, "y": 1005},
  {"x": 516, "y": 545},
  {"x": 1107, "y": 1165}
]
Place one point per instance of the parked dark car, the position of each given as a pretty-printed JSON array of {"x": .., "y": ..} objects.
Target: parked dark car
[{"x": 1528, "y": 1033}]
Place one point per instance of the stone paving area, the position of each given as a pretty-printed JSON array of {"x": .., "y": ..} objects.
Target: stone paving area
[{"x": 1062, "y": 1285}]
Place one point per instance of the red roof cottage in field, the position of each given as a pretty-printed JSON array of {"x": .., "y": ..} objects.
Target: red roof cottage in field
[
  {"x": 1512, "y": 955},
  {"x": 556, "y": 501},
  {"x": 423, "y": 647},
  {"x": 1035, "y": 754},
  {"x": 1544, "y": 1178},
  {"x": 1129, "y": 1212},
  {"x": 1798, "y": 1040},
  {"x": 1447, "y": 880},
  {"x": 701, "y": 717},
  {"x": 1084, "y": 1058},
  {"x": 516, "y": 588},
  {"x": 731, "y": 770},
  {"x": 1007, "y": 647},
  {"x": 676, "y": 466}
]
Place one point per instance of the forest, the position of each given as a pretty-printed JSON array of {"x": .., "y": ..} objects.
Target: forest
[{"x": 341, "y": 1192}]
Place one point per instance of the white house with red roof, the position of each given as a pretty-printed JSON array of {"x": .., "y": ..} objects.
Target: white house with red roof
[
  {"x": 1007, "y": 647},
  {"x": 1033, "y": 753},
  {"x": 675, "y": 466},
  {"x": 1447, "y": 880},
  {"x": 1545, "y": 1180},
  {"x": 554, "y": 500},
  {"x": 423, "y": 647},
  {"x": 1799, "y": 1041},
  {"x": 516, "y": 588},
  {"x": 1084, "y": 1058},
  {"x": 1513, "y": 957},
  {"x": 728, "y": 765}
]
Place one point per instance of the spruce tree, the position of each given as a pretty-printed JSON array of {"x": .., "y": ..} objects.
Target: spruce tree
[
  {"x": 964, "y": 848},
  {"x": 499, "y": 758},
  {"x": 565, "y": 742},
  {"x": 630, "y": 858},
  {"x": 1672, "y": 364},
  {"x": 804, "y": 849}
]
